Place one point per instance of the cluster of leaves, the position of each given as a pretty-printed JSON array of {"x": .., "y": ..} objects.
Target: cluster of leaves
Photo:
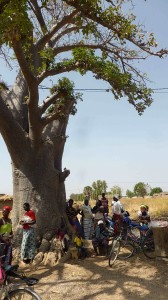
[
  {"x": 16, "y": 23},
  {"x": 98, "y": 36},
  {"x": 111, "y": 16},
  {"x": 65, "y": 89},
  {"x": 122, "y": 83}
]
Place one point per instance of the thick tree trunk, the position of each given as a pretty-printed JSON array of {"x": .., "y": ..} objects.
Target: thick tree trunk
[{"x": 42, "y": 186}]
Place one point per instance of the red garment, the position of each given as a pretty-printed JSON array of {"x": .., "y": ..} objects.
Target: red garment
[
  {"x": 118, "y": 221},
  {"x": 31, "y": 215},
  {"x": 104, "y": 202},
  {"x": 7, "y": 208}
]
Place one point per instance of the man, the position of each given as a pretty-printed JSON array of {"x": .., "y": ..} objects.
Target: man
[
  {"x": 104, "y": 202},
  {"x": 117, "y": 211},
  {"x": 100, "y": 237},
  {"x": 28, "y": 247}
]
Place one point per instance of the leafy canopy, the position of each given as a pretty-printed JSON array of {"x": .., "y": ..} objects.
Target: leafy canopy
[
  {"x": 52, "y": 37},
  {"x": 140, "y": 189},
  {"x": 156, "y": 190}
]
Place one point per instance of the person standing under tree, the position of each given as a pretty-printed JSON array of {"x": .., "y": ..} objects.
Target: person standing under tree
[
  {"x": 28, "y": 246},
  {"x": 104, "y": 202},
  {"x": 6, "y": 235},
  {"x": 72, "y": 217},
  {"x": 87, "y": 220},
  {"x": 117, "y": 211}
]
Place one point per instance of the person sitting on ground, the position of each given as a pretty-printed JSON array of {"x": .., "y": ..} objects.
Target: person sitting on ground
[
  {"x": 104, "y": 202},
  {"x": 143, "y": 214},
  {"x": 6, "y": 235},
  {"x": 79, "y": 245},
  {"x": 87, "y": 220},
  {"x": 98, "y": 212},
  {"x": 62, "y": 236},
  {"x": 72, "y": 217},
  {"x": 100, "y": 237}
]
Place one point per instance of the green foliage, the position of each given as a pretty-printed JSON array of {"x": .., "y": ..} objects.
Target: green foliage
[
  {"x": 116, "y": 190},
  {"x": 77, "y": 197},
  {"x": 156, "y": 190},
  {"x": 140, "y": 189},
  {"x": 15, "y": 22},
  {"x": 87, "y": 191},
  {"x": 122, "y": 82},
  {"x": 99, "y": 187},
  {"x": 65, "y": 88},
  {"x": 52, "y": 37},
  {"x": 129, "y": 194}
]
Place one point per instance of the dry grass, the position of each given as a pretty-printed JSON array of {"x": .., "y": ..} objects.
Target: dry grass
[{"x": 158, "y": 207}]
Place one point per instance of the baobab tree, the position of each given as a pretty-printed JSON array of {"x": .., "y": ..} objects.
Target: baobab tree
[{"x": 51, "y": 37}]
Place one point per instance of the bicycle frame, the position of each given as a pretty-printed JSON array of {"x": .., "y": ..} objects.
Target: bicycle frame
[{"x": 137, "y": 240}]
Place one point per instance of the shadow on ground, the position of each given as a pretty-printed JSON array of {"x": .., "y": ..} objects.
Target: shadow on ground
[{"x": 135, "y": 278}]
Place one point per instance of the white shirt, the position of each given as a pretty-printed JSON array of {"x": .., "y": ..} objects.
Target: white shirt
[
  {"x": 117, "y": 207},
  {"x": 140, "y": 214}
]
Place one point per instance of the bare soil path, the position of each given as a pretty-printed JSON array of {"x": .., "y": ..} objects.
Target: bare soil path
[{"x": 92, "y": 279}]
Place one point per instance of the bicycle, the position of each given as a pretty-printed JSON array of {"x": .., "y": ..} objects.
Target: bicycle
[
  {"x": 128, "y": 242},
  {"x": 10, "y": 291}
]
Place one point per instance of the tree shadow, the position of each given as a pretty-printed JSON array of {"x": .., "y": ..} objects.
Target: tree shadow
[{"x": 92, "y": 278}]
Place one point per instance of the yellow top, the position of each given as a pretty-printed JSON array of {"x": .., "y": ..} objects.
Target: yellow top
[
  {"x": 6, "y": 228},
  {"x": 78, "y": 241}
]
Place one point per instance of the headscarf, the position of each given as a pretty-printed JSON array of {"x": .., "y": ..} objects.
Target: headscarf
[
  {"x": 143, "y": 206},
  {"x": 7, "y": 208}
]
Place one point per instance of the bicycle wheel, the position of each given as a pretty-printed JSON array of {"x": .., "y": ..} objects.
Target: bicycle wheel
[
  {"x": 148, "y": 245},
  {"x": 114, "y": 252},
  {"x": 126, "y": 250},
  {"x": 22, "y": 294}
]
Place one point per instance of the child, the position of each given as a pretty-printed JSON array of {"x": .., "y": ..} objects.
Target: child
[
  {"x": 79, "y": 245},
  {"x": 143, "y": 214}
]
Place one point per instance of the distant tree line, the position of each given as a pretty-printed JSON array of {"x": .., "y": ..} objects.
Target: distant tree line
[
  {"x": 98, "y": 187},
  {"x": 142, "y": 189}
]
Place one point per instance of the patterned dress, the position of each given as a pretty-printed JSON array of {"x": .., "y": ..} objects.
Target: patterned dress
[
  {"x": 87, "y": 222},
  {"x": 28, "y": 247}
]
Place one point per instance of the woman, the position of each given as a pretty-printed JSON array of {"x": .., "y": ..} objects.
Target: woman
[
  {"x": 87, "y": 220},
  {"x": 98, "y": 211},
  {"x": 6, "y": 235},
  {"x": 144, "y": 215},
  {"x": 28, "y": 247},
  {"x": 72, "y": 217}
]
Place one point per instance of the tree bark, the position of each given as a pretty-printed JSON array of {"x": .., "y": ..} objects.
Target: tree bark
[{"x": 40, "y": 184}]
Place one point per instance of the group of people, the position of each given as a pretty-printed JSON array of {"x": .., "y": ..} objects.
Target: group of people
[
  {"x": 28, "y": 246},
  {"x": 91, "y": 225}
]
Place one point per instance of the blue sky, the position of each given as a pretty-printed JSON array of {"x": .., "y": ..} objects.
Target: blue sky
[{"x": 108, "y": 140}]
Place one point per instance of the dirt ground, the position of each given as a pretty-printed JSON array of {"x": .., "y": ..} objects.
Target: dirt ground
[{"x": 92, "y": 279}]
